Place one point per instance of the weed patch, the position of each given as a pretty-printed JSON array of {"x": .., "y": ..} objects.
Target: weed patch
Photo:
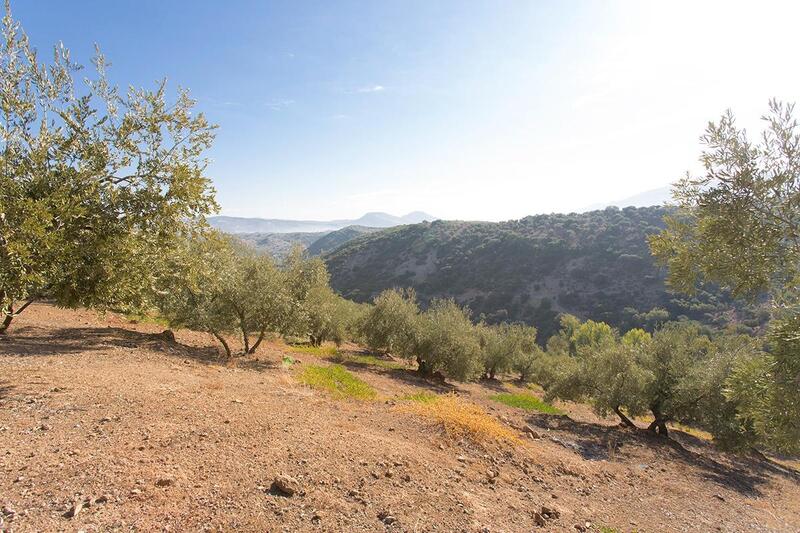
[
  {"x": 460, "y": 418},
  {"x": 371, "y": 360},
  {"x": 421, "y": 397},
  {"x": 528, "y": 402},
  {"x": 338, "y": 381}
]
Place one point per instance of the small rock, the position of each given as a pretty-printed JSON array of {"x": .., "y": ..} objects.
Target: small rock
[
  {"x": 539, "y": 520},
  {"x": 720, "y": 497},
  {"x": 550, "y": 512},
  {"x": 105, "y": 420},
  {"x": 73, "y": 511},
  {"x": 285, "y": 485},
  {"x": 386, "y": 517},
  {"x": 406, "y": 478},
  {"x": 166, "y": 481},
  {"x": 389, "y": 473}
]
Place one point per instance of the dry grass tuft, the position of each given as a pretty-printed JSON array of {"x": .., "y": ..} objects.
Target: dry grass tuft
[{"x": 460, "y": 418}]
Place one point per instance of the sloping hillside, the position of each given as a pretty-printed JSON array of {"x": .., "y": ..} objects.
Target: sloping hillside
[
  {"x": 335, "y": 239},
  {"x": 279, "y": 244},
  {"x": 595, "y": 265},
  {"x": 107, "y": 426}
]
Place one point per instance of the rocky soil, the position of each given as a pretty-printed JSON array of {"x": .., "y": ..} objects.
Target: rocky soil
[{"x": 107, "y": 426}]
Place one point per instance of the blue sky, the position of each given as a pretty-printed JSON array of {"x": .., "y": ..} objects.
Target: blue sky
[{"x": 474, "y": 110}]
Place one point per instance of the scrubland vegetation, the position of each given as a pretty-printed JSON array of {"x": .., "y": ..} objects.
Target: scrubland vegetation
[{"x": 103, "y": 198}]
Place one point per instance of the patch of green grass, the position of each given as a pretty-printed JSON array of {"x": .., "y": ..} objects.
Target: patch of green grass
[
  {"x": 288, "y": 361},
  {"x": 319, "y": 351},
  {"x": 338, "y": 381},
  {"x": 421, "y": 397},
  {"x": 372, "y": 360},
  {"x": 528, "y": 402}
]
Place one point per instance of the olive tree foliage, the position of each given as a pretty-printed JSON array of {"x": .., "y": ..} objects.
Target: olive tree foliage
[
  {"x": 589, "y": 362},
  {"x": 220, "y": 286},
  {"x": 678, "y": 374},
  {"x": 331, "y": 317},
  {"x": 447, "y": 342},
  {"x": 392, "y": 324},
  {"x": 526, "y": 364},
  {"x": 195, "y": 292},
  {"x": 94, "y": 183},
  {"x": 738, "y": 224},
  {"x": 504, "y": 345}
]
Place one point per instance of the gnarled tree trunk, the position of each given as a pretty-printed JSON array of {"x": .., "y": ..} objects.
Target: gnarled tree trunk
[
  {"x": 624, "y": 419},
  {"x": 659, "y": 423}
]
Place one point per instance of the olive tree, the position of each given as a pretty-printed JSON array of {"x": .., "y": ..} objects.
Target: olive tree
[
  {"x": 392, "y": 324},
  {"x": 330, "y": 317},
  {"x": 503, "y": 345},
  {"x": 737, "y": 224},
  {"x": 195, "y": 292},
  {"x": 448, "y": 342},
  {"x": 94, "y": 183}
]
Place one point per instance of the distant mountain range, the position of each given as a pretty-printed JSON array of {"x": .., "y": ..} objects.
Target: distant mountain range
[
  {"x": 643, "y": 199},
  {"x": 278, "y": 245},
  {"x": 274, "y": 225}
]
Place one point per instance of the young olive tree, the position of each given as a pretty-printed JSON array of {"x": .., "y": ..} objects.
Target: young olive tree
[
  {"x": 261, "y": 298},
  {"x": 330, "y": 317},
  {"x": 527, "y": 363},
  {"x": 94, "y": 183},
  {"x": 194, "y": 294},
  {"x": 503, "y": 345},
  {"x": 392, "y": 323},
  {"x": 448, "y": 342}
]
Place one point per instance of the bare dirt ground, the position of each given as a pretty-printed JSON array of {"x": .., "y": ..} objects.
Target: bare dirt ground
[{"x": 148, "y": 435}]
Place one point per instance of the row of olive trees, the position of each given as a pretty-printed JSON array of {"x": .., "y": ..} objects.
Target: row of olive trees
[
  {"x": 443, "y": 340},
  {"x": 680, "y": 373},
  {"x": 221, "y": 286}
]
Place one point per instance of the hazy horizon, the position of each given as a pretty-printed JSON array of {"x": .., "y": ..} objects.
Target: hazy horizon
[{"x": 458, "y": 109}]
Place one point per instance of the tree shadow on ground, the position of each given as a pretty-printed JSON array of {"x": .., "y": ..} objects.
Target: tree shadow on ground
[
  {"x": 743, "y": 474},
  {"x": 493, "y": 384},
  {"x": 408, "y": 376},
  {"x": 29, "y": 342}
]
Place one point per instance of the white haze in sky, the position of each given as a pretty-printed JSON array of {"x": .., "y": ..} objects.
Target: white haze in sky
[{"x": 611, "y": 106}]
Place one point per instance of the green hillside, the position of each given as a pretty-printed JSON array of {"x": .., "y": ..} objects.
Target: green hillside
[
  {"x": 330, "y": 241},
  {"x": 594, "y": 265}
]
